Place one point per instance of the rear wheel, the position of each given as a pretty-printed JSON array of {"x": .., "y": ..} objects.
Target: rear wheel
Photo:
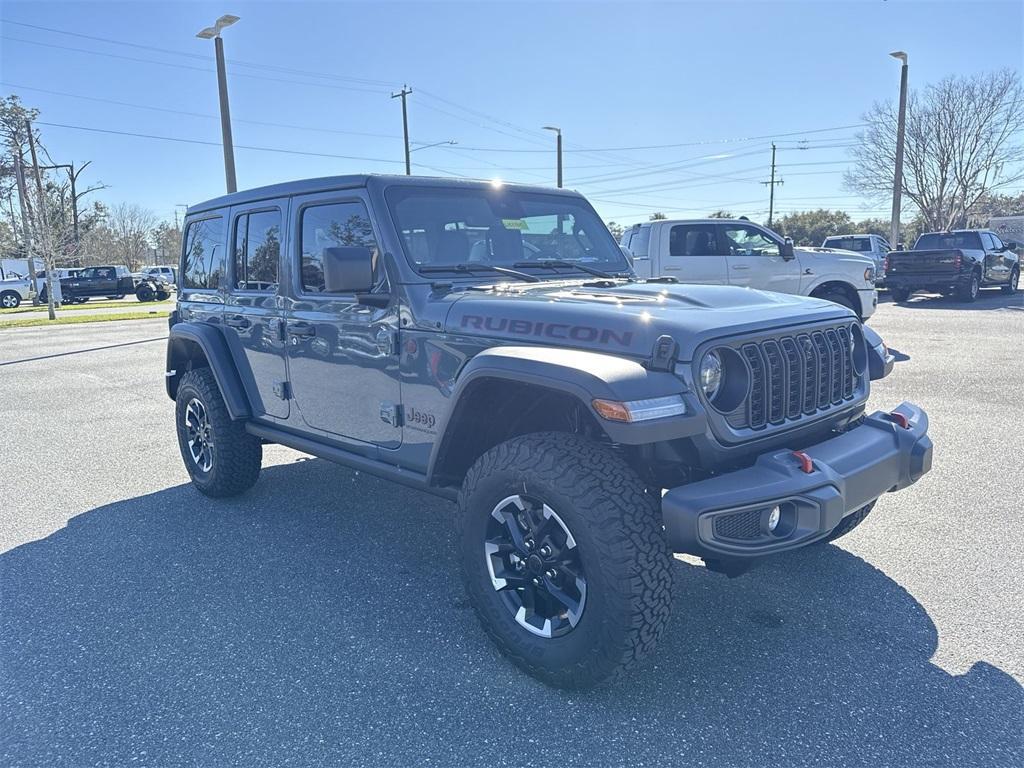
[
  {"x": 564, "y": 558},
  {"x": 969, "y": 292},
  {"x": 1011, "y": 287},
  {"x": 145, "y": 293},
  {"x": 838, "y": 296},
  {"x": 10, "y": 299},
  {"x": 220, "y": 456},
  {"x": 900, "y": 294}
]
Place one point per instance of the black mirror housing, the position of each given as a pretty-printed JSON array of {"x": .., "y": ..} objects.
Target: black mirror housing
[
  {"x": 348, "y": 269},
  {"x": 786, "y": 249}
]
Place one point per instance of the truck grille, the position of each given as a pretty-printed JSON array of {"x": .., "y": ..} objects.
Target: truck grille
[{"x": 795, "y": 376}]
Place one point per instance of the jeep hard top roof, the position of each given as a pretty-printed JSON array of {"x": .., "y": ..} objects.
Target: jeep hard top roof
[{"x": 328, "y": 183}]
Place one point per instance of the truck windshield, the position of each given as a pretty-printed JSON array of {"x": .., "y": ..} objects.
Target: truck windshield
[
  {"x": 849, "y": 243},
  {"x": 501, "y": 227},
  {"x": 937, "y": 241}
]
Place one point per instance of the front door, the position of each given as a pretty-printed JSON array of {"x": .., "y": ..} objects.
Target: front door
[
  {"x": 253, "y": 313},
  {"x": 754, "y": 259},
  {"x": 691, "y": 254},
  {"x": 342, "y": 354}
]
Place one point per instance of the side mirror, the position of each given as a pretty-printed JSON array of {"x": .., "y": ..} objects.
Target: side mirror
[
  {"x": 1013, "y": 245},
  {"x": 348, "y": 269},
  {"x": 786, "y": 249}
]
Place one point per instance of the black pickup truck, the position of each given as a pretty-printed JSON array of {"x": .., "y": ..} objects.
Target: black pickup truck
[
  {"x": 111, "y": 282},
  {"x": 957, "y": 263}
]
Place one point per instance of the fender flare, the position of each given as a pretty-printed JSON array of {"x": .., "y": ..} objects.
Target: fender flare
[
  {"x": 582, "y": 375},
  {"x": 214, "y": 347}
]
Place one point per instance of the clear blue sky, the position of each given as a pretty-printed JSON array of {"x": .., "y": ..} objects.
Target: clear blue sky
[{"x": 488, "y": 75}]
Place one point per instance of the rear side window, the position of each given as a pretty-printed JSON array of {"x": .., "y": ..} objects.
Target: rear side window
[
  {"x": 638, "y": 240},
  {"x": 203, "y": 261},
  {"x": 692, "y": 240},
  {"x": 849, "y": 243},
  {"x": 331, "y": 226},
  {"x": 257, "y": 253}
]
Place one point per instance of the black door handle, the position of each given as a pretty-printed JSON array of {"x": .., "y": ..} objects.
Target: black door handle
[
  {"x": 237, "y": 321},
  {"x": 302, "y": 329}
]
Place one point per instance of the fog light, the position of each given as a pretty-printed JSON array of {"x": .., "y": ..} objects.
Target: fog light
[{"x": 773, "y": 519}]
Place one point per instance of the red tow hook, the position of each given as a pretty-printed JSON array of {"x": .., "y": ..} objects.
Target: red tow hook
[
  {"x": 806, "y": 462},
  {"x": 899, "y": 418}
]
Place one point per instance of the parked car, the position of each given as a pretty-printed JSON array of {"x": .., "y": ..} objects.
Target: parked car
[
  {"x": 112, "y": 282},
  {"x": 740, "y": 252},
  {"x": 491, "y": 345},
  {"x": 166, "y": 275},
  {"x": 957, "y": 263},
  {"x": 14, "y": 290},
  {"x": 875, "y": 247}
]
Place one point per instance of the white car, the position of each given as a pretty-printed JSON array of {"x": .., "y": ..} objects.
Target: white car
[
  {"x": 740, "y": 252},
  {"x": 166, "y": 275},
  {"x": 14, "y": 289}
]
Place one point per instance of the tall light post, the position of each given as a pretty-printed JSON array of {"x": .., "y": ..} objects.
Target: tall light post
[
  {"x": 558, "y": 132},
  {"x": 222, "y": 87},
  {"x": 897, "y": 181}
]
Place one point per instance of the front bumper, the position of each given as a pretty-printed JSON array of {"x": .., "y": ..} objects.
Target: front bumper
[
  {"x": 868, "y": 302},
  {"x": 726, "y": 517}
]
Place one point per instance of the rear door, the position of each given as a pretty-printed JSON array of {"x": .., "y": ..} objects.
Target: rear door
[
  {"x": 754, "y": 259},
  {"x": 690, "y": 253},
  {"x": 342, "y": 354},
  {"x": 637, "y": 240},
  {"x": 253, "y": 312}
]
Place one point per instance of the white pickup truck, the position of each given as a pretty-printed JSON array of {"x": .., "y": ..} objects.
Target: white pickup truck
[{"x": 740, "y": 252}]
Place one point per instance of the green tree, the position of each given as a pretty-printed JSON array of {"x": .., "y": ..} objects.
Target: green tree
[
  {"x": 616, "y": 230},
  {"x": 659, "y": 216},
  {"x": 721, "y": 215},
  {"x": 812, "y": 227}
]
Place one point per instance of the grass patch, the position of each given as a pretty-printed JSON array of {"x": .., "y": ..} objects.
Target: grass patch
[
  {"x": 26, "y": 307},
  {"x": 29, "y": 322}
]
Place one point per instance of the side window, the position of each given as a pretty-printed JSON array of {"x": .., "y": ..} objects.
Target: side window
[
  {"x": 639, "y": 242},
  {"x": 741, "y": 240},
  {"x": 104, "y": 274},
  {"x": 257, "y": 250},
  {"x": 996, "y": 242},
  {"x": 330, "y": 226},
  {"x": 202, "y": 263},
  {"x": 692, "y": 240}
]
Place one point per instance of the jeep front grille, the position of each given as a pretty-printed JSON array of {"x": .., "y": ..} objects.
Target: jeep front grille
[{"x": 794, "y": 376}]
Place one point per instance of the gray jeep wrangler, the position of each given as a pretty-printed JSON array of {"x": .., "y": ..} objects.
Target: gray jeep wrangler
[{"x": 490, "y": 344}]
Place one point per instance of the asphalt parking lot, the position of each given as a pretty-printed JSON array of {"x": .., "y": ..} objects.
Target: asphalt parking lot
[{"x": 318, "y": 620}]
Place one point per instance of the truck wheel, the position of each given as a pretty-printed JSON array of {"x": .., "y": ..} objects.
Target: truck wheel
[
  {"x": 145, "y": 293},
  {"x": 10, "y": 299},
  {"x": 969, "y": 292},
  {"x": 1011, "y": 287},
  {"x": 900, "y": 294},
  {"x": 162, "y": 295},
  {"x": 837, "y": 296},
  {"x": 564, "y": 558},
  {"x": 220, "y": 456},
  {"x": 849, "y": 522}
]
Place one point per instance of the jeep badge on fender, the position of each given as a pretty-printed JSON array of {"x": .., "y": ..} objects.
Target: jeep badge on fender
[{"x": 493, "y": 346}]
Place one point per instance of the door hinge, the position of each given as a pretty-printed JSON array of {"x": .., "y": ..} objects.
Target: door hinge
[
  {"x": 283, "y": 390},
  {"x": 391, "y": 413}
]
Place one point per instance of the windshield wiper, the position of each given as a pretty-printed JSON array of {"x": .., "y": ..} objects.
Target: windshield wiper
[
  {"x": 471, "y": 268},
  {"x": 556, "y": 263}
]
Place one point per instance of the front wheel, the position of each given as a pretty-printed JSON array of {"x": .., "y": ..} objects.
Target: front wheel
[
  {"x": 10, "y": 300},
  {"x": 900, "y": 294},
  {"x": 221, "y": 457},
  {"x": 564, "y": 558},
  {"x": 145, "y": 293},
  {"x": 1011, "y": 287}
]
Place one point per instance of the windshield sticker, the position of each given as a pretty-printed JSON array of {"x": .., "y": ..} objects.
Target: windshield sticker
[{"x": 514, "y": 224}]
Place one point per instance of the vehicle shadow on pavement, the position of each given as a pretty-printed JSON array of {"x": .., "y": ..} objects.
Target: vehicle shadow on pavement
[
  {"x": 987, "y": 300},
  {"x": 319, "y": 620}
]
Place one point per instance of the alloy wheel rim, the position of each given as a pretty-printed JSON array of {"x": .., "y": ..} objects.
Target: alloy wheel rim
[
  {"x": 974, "y": 287},
  {"x": 200, "y": 435},
  {"x": 8, "y": 301},
  {"x": 535, "y": 566}
]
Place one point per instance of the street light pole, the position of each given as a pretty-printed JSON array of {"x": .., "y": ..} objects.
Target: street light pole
[
  {"x": 897, "y": 181},
  {"x": 222, "y": 89},
  {"x": 558, "y": 150}
]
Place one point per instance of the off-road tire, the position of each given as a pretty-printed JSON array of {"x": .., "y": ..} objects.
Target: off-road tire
[
  {"x": 237, "y": 455},
  {"x": 10, "y": 300},
  {"x": 162, "y": 295},
  {"x": 625, "y": 558},
  {"x": 969, "y": 292},
  {"x": 145, "y": 294},
  {"x": 900, "y": 294},
  {"x": 1011, "y": 287},
  {"x": 850, "y": 522}
]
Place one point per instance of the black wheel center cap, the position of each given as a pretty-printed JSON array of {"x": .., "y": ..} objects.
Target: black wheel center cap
[{"x": 534, "y": 564}]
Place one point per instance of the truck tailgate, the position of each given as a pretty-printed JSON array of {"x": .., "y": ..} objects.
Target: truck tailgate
[{"x": 923, "y": 262}]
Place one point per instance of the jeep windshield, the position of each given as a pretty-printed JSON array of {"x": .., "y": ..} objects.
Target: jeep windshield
[{"x": 470, "y": 230}]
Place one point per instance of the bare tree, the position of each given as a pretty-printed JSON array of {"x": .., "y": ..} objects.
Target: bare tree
[
  {"x": 963, "y": 142},
  {"x": 131, "y": 226}
]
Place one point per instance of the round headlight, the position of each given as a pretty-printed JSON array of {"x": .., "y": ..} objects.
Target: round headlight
[{"x": 711, "y": 374}]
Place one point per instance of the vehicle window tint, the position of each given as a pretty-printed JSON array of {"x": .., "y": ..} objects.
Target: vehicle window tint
[
  {"x": 692, "y": 240},
  {"x": 996, "y": 242},
  {"x": 744, "y": 240},
  {"x": 257, "y": 250},
  {"x": 937, "y": 241},
  {"x": 639, "y": 241},
  {"x": 331, "y": 226},
  {"x": 203, "y": 262},
  {"x": 860, "y": 244}
]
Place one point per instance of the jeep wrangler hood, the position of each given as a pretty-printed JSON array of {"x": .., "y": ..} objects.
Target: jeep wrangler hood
[{"x": 627, "y": 319}]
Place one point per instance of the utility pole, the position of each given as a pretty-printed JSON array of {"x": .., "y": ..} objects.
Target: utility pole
[
  {"x": 26, "y": 229},
  {"x": 558, "y": 151},
  {"x": 42, "y": 221},
  {"x": 222, "y": 89},
  {"x": 406, "y": 90},
  {"x": 771, "y": 189},
  {"x": 897, "y": 180}
]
